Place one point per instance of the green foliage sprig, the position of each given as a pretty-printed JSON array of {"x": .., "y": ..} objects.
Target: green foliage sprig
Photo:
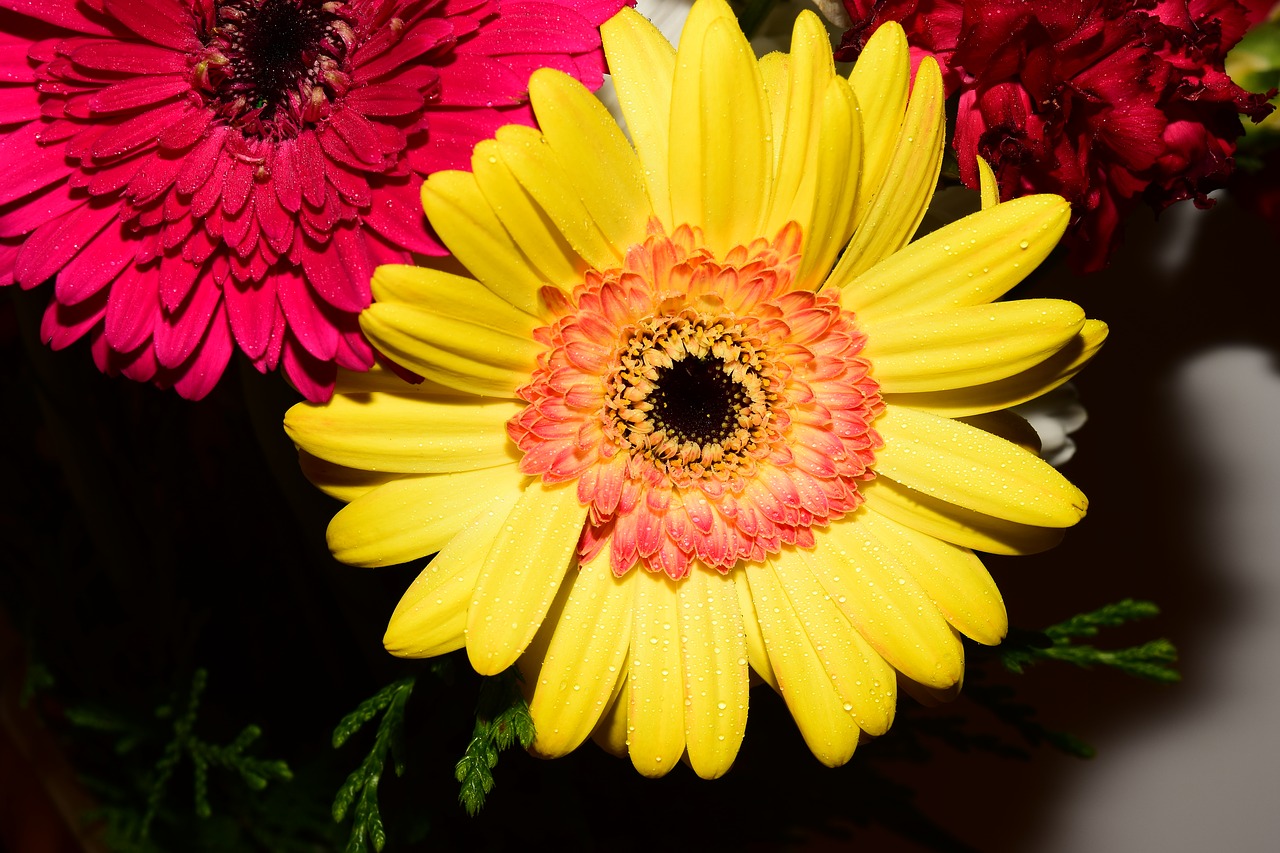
[
  {"x": 361, "y": 787},
  {"x": 1152, "y": 660},
  {"x": 502, "y": 718},
  {"x": 255, "y": 772}
]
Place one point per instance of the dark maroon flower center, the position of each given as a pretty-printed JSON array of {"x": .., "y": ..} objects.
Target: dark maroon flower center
[{"x": 272, "y": 67}]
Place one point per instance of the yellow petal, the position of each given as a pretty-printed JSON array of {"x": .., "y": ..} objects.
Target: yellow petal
[
  {"x": 827, "y": 728},
  {"x": 530, "y": 556},
  {"x": 458, "y": 353},
  {"x": 526, "y": 153},
  {"x": 642, "y": 63},
  {"x": 583, "y": 663},
  {"x": 796, "y": 85},
  {"x": 757, "y": 653},
  {"x": 882, "y": 600},
  {"x": 961, "y": 465},
  {"x": 1019, "y": 388},
  {"x": 988, "y": 187},
  {"x": 954, "y": 578},
  {"x": 655, "y": 694},
  {"x": 864, "y": 680},
  {"x": 715, "y": 671},
  {"x": 604, "y": 168},
  {"x": 338, "y": 481},
  {"x": 967, "y": 346},
  {"x": 414, "y": 432},
  {"x": 719, "y": 159},
  {"x": 836, "y": 185},
  {"x": 432, "y": 614},
  {"x": 956, "y": 524},
  {"x": 891, "y": 216},
  {"x": 534, "y": 234},
  {"x": 880, "y": 81},
  {"x": 414, "y": 516},
  {"x": 468, "y": 226},
  {"x": 775, "y": 76},
  {"x": 1010, "y": 426},
  {"x": 971, "y": 261},
  {"x": 611, "y": 733}
]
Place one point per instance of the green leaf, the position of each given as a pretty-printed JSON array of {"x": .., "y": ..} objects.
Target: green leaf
[
  {"x": 1154, "y": 660},
  {"x": 502, "y": 719},
  {"x": 361, "y": 787}
]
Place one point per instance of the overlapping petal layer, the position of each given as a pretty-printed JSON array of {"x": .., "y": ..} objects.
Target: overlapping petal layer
[{"x": 735, "y": 449}]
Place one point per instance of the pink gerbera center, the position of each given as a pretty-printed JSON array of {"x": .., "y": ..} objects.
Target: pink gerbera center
[
  {"x": 271, "y": 67},
  {"x": 708, "y": 411}
]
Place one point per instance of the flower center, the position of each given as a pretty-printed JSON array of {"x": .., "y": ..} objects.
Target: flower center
[
  {"x": 273, "y": 66},
  {"x": 692, "y": 394}
]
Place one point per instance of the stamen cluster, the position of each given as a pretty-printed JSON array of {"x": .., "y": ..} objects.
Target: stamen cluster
[
  {"x": 271, "y": 67},
  {"x": 707, "y": 410}
]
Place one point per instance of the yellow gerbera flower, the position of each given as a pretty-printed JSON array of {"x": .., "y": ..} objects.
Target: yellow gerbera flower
[{"x": 702, "y": 410}]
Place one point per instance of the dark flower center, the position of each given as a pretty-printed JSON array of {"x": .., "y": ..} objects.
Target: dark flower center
[
  {"x": 273, "y": 67},
  {"x": 696, "y": 400}
]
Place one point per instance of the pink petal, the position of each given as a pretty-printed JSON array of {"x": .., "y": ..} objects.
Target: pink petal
[
  {"x": 184, "y": 132},
  {"x": 63, "y": 14},
  {"x": 353, "y": 187},
  {"x": 477, "y": 81},
  {"x": 29, "y": 165},
  {"x": 277, "y": 225},
  {"x": 177, "y": 274},
  {"x": 35, "y": 210},
  {"x": 56, "y": 242},
  {"x": 284, "y": 176},
  {"x": 164, "y": 22},
  {"x": 95, "y": 267},
  {"x": 397, "y": 215},
  {"x": 200, "y": 161},
  {"x": 307, "y": 318},
  {"x": 156, "y": 173},
  {"x": 239, "y": 181},
  {"x": 178, "y": 334},
  {"x": 201, "y": 374},
  {"x": 313, "y": 378},
  {"x": 354, "y": 352},
  {"x": 138, "y": 92},
  {"x": 310, "y": 167},
  {"x": 132, "y": 307},
  {"x": 527, "y": 28},
  {"x": 385, "y": 99},
  {"x": 63, "y": 325},
  {"x": 252, "y": 311},
  {"x": 128, "y": 57},
  {"x": 19, "y": 103},
  {"x": 137, "y": 131}
]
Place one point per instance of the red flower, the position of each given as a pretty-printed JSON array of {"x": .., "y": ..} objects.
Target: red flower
[
  {"x": 1105, "y": 102},
  {"x": 200, "y": 175}
]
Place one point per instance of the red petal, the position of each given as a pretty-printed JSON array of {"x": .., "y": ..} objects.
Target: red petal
[
  {"x": 252, "y": 311},
  {"x": 313, "y": 378},
  {"x": 398, "y": 216},
  {"x": 327, "y": 273},
  {"x": 200, "y": 161},
  {"x": 184, "y": 132},
  {"x": 29, "y": 166},
  {"x": 310, "y": 163},
  {"x": 178, "y": 334},
  {"x": 63, "y": 14},
  {"x": 137, "y": 131},
  {"x": 63, "y": 325},
  {"x": 284, "y": 175},
  {"x": 127, "y": 57},
  {"x": 307, "y": 318},
  {"x": 277, "y": 225},
  {"x": 132, "y": 307},
  {"x": 202, "y": 373},
  {"x": 56, "y": 242},
  {"x": 385, "y": 99},
  {"x": 164, "y": 22},
  {"x": 92, "y": 269},
  {"x": 177, "y": 274},
  {"x": 19, "y": 103},
  {"x": 138, "y": 92}
]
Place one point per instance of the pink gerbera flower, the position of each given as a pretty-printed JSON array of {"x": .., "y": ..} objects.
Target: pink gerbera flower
[{"x": 203, "y": 174}]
